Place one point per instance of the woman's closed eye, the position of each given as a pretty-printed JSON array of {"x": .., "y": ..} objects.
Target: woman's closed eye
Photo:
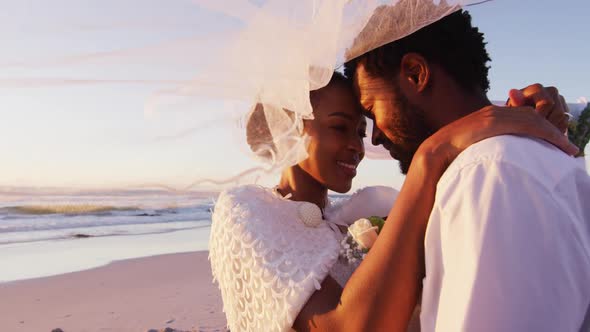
[
  {"x": 340, "y": 128},
  {"x": 344, "y": 129}
]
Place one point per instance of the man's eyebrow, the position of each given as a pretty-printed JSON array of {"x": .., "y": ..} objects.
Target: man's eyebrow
[
  {"x": 364, "y": 110},
  {"x": 342, "y": 114}
]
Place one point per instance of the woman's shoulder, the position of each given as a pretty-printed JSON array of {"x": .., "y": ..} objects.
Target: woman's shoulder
[
  {"x": 241, "y": 194},
  {"x": 242, "y": 199},
  {"x": 266, "y": 261},
  {"x": 256, "y": 218},
  {"x": 261, "y": 213},
  {"x": 254, "y": 214}
]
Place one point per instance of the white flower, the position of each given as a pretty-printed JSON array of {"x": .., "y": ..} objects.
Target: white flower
[{"x": 364, "y": 233}]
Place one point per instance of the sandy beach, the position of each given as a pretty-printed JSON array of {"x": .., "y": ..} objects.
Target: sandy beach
[{"x": 173, "y": 290}]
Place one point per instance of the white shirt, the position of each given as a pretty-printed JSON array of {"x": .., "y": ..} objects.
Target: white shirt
[{"x": 507, "y": 246}]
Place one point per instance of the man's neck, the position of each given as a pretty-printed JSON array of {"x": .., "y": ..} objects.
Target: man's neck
[
  {"x": 302, "y": 187},
  {"x": 456, "y": 103},
  {"x": 472, "y": 103}
]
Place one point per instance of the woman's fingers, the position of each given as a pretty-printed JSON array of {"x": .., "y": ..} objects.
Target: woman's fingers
[
  {"x": 559, "y": 117},
  {"x": 515, "y": 98},
  {"x": 492, "y": 121},
  {"x": 565, "y": 120},
  {"x": 546, "y": 100},
  {"x": 553, "y": 135},
  {"x": 566, "y": 146},
  {"x": 525, "y": 122},
  {"x": 560, "y": 120}
]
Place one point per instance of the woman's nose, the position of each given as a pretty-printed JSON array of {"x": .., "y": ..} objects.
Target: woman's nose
[{"x": 356, "y": 144}]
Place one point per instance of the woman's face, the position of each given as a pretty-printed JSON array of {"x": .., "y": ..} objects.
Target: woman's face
[{"x": 336, "y": 133}]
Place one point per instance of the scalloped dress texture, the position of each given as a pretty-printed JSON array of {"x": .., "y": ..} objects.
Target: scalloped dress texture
[{"x": 268, "y": 262}]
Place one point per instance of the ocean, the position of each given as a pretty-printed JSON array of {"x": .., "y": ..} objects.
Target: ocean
[{"x": 46, "y": 232}]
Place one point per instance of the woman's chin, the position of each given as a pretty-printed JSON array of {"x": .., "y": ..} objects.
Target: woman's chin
[{"x": 341, "y": 188}]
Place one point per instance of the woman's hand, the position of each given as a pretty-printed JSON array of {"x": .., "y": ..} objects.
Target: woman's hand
[
  {"x": 547, "y": 102},
  {"x": 443, "y": 147}
]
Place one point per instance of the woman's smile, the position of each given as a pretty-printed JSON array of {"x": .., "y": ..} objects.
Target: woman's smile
[{"x": 348, "y": 168}]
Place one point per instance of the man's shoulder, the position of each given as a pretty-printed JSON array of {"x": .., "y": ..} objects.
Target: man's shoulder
[
  {"x": 516, "y": 150},
  {"x": 534, "y": 157}
]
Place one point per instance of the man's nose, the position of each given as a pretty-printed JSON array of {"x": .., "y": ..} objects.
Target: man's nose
[{"x": 376, "y": 136}]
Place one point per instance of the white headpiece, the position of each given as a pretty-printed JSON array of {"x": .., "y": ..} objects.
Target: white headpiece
[
  {"x": 287, "y": 48},
  {"x": 263, "y": 55}
]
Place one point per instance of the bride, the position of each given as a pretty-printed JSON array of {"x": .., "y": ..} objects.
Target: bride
[{"x": 275, "y": 251}]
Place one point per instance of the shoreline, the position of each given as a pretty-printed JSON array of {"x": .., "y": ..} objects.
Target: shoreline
[
  {"x": 138, "y": 294},
  {"x": 32, "y": 260}
]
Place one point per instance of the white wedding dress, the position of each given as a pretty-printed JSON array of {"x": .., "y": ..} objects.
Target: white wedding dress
[{"x": 268, "y": 263}]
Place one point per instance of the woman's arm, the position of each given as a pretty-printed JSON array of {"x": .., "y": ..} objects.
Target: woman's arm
[
  {"x": 399, "y": 254},
  {"x": 391, "y": 274},
  {"x": 383, "y": 291}
]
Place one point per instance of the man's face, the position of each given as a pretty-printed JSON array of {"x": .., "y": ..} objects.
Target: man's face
[{"x": 398, "y": 125}]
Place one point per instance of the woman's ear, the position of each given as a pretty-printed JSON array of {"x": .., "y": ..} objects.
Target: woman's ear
[{"x": 415, "y": 72}]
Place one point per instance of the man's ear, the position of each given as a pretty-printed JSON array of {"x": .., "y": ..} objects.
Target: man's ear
[{"x": 415, "y": 72}]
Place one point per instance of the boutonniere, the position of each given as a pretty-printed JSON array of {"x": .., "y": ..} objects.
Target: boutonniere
[{"x": 359, "y": 239}]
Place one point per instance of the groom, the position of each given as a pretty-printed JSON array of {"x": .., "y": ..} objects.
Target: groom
[{"x": 508, "y": 242}]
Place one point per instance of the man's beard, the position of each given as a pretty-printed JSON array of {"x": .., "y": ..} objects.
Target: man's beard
[{"x": 409, "y": 130}]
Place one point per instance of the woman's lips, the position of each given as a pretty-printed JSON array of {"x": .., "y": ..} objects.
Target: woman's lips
[{"x": 347, "y": 168}]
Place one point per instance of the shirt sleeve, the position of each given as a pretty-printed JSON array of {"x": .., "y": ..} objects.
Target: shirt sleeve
[{"x": 509, "y": 253}]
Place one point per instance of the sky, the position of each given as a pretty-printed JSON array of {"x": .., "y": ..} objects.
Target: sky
[{"x": 106, "y": 135}]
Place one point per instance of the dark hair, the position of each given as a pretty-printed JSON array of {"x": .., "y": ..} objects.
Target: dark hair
[
  {"x": 452, "y": 42},
  {"x": 257, "y": 130},
  {"x": 338, "y": 78}
]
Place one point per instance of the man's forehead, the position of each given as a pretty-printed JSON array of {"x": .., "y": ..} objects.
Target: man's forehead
[{"x": 360, "y": 83}]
